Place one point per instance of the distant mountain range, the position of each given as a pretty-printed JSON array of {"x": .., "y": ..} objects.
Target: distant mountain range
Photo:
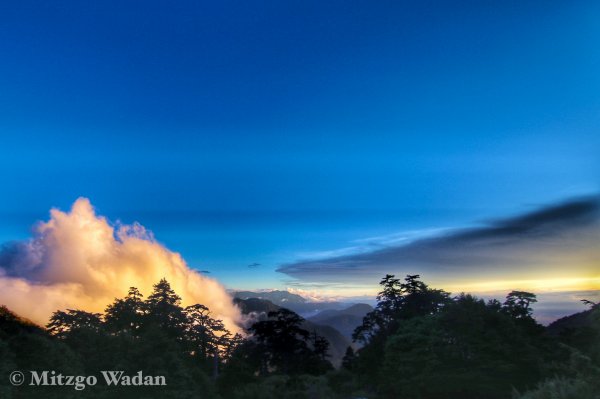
[
  {"x": 338, "y": 341},
  {"x": 277, "y": 297},
  {"x": 335, "y": 321},
  {"x": 344, "y": 320},
  {"x": 290, "y": 301}
]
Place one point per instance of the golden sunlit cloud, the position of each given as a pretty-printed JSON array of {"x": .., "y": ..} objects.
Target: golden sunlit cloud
[{"x": 78, "y": 260}]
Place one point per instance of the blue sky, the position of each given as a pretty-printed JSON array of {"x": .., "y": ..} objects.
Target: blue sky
[{"x": 267, "y": 132}]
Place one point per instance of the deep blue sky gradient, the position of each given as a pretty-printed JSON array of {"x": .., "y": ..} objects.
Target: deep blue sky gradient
[{"x": 246, "y": 132}]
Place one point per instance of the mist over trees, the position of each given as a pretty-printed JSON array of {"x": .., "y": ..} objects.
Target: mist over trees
[{"x": 418, "y": 342}]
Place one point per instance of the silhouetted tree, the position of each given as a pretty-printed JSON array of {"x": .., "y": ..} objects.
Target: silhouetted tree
[
  {"x": 399, "y": 301},
  {"x": 282, "y": 339},
  {"x": 164, "y": 310},
  {"x": 418, "y": 343},
  {"x": 201, "y": 333},
  {"x": 466, "y": 351},
  {"x": 125, "y": 315},
  {"x": 64, "y": 323},
  {"x": 518, "y": 304},
  {"x": 320, "y": 345},
  {"x": 349, "y": 358},
  {"x": 285, "y": 346}
]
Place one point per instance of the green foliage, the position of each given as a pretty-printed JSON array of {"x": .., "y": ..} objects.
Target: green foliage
[
  {"x": 349, "y": 358},
  {"x": 579, "y": 380},
  {"x": 518, "y": 304},
  {"x": 7, "y": 365},
  {"x": 466, "y": 351},
  {"x": 418, "y": 343},
  {"x": 63, "y": 324},
  {"x": 399, "y": 301},
  {"x": 157, "y": 336},
  {"x": 284, "y": 345},
  {"x": 581, "y": 331},
  {"x": 287, "y": 387},
  {"x": 125, "y": 316},
  {"x": 320, "y": 345},
  {"x": 163, "y": 309},
  {"x": 345, "y": 384},
  {"x": 24, "y": 346},
  {"x": 562, "y": 388}
]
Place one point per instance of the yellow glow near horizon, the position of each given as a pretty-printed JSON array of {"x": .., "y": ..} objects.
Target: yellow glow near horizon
[
  {"x": 486, "y": 287},
  {"x": 533, "y": 285}
]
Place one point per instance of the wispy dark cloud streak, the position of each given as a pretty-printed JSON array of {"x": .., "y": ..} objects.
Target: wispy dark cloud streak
[{"x": 561, "y": 238}]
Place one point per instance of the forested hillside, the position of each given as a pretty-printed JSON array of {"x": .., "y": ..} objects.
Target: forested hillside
[{"x": 418, "y": 342}]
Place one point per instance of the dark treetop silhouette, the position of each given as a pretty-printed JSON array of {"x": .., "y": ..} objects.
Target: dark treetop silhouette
[{"x": 418, "y": 342}]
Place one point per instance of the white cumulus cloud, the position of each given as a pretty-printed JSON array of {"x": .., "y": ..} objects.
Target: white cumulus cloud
[{"x": 78, "y": 260}]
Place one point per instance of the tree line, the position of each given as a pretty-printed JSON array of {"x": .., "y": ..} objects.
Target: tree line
[{"x": 417, "y": 343}]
